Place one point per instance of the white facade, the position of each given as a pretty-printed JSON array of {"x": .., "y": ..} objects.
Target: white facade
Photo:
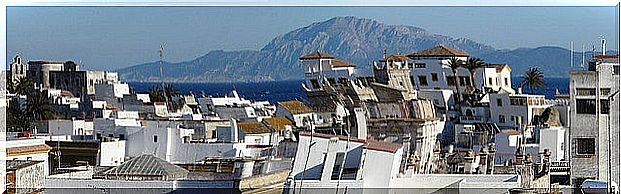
[
  {"x": 553, "y": 139},
  {"x": 69, "y": 127},
  {"x": 103, "y": 91},
  {"x": 35, "y": 156},
  {"x": 112, "y": 153},
  {"x": 515, "y": 110}
]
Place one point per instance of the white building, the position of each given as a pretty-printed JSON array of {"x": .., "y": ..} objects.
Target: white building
[
  {"x": 431, "y": 70},
  {"x": 515, "y": 110},
  {"x": 28, "y": 148},
  {"x": 321, "y": 68},
  {"x": 295, "y": 111},
  {"x": 337, "y": 164},
  {"x": 594, "y": 120}
]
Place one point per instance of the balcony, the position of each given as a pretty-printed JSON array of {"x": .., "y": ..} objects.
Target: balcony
[{"x": 471, "y": 119}]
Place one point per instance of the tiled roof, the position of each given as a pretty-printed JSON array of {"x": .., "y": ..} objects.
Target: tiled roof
[
  {"x": 440, "y": 51},
  {"x": 511, "y": 132},
  {"x": 252, "y": 127},
  {"x": 606, "y": 56},
  {"x": 369, "y": 144},
  {"x": 277, "y": 123},
  {"x": 146, "y": 165},
  {"x": 339, "y": 63},
  {"x": 395, "y": 58},
  {"x": 19, "y": 164},
  {"x": 23, "y": 150},
  {"x": 295, "y": 107},
  {"x": 382, "y": 146},
  {"x": 317, "y": 55}
]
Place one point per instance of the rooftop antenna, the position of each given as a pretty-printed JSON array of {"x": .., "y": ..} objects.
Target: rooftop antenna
[
  {"x": 162, "y": 73},
  {"x": 571, "y": 53},
  {"x": 582, "y": 64},
  {"x": 603, "y": 45}
]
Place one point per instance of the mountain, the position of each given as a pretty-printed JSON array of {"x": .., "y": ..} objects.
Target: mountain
[{"x": 356, "y": 40}]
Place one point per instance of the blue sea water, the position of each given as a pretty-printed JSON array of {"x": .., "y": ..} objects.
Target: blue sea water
[{"x": 290, "y": 90}]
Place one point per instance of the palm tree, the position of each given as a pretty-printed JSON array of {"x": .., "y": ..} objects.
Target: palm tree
[
  {"x": 472, "y": 65},
  {"x": 38, "y": 107},
  {"x": 23, "y": 86},
  {"x": 455, "y": 63},
  {"x": 156, "y": 94},
  {"x": 533, "y": 77}
]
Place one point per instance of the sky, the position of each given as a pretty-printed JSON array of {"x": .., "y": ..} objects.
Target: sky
[{"x": 110, "y": 38}]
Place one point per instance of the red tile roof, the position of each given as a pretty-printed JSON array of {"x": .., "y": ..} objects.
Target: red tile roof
[
  {"x": 339, "y": 63},
  {"x": 316, "y": 55},
  {"x": 277, "y": 123},
  {"x": 606, "y": 56},
  {"x": 395, "y": 58},
  {"x": 368, "y": 144},
  {"x": 295, "y": 107},
  {"x": 253, "y": 127},
  {"x": 440, "y": 51},
  {"x": 25, "y": 150}
]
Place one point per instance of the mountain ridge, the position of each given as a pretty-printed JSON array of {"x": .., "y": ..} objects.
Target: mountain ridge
[{"x": 357, "y": 40}]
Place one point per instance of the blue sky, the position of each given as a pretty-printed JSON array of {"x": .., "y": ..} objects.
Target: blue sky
[{"x": 116, "y": 37}]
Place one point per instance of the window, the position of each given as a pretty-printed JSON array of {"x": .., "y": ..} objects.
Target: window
[
  {"x": 499, "y": 102},
  {"x": 585, "y": 106},
  {"x": 501, "y": 118},
  {"x": 423, "y": 80},
  {"x": 604, "y": 106},
  {"x": 585, "y": 91},
  {"x": 585, "y": 146},
  {"x": 464, "y": 80},
  {"x": 155, "y": 139},
  {"x": 332, "y": 81},
  {"x": 434, "y": 77},
  {"x": 604, "y": 91},
  {"x": 338, "y": 161},
  {"x": 506, "y": 81},
  {"x": 314, "y": 83},
  {"x": 489, "y": 81},
  {"x": 451, "y": 81},
  {"x": 615, "y": 70},
  {"x": 122, "y": 136},
  {"x": 420, "y": 65}
]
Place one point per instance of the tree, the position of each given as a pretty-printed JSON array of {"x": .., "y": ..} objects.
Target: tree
[
  {"x": 472, "y": 65},
  {"x": 38, "y": 107},
  {"x": 23, "y": 86},
  {"x": 455, "y": 63},
  {"x": 533, "y": 77}
]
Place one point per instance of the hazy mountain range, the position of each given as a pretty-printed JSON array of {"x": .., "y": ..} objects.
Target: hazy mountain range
[{"x": 356, "y": 40}]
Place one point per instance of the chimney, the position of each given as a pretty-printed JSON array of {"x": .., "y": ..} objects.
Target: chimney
[{"x": 603, "y": 46}]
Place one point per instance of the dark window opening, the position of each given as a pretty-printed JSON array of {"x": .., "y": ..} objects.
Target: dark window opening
[
  {"x": 585, "y": 146},
  {"x": 585, "y": 106}
]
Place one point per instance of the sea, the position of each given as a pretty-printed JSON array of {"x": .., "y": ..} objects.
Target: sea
[{"x": 292, "y": 90}]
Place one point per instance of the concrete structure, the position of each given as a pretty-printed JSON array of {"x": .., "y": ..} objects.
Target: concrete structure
[
  {"x": 18, "y": 69},
  {"x": 321, "y": 68},
  {"x": 594, "y": 119},
  {"x": 25, "y": 176},
  {"x": 29, "y": 149}
]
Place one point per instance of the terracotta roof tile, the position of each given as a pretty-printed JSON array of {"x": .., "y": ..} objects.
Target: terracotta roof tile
[
  {"x": 439, "y": 51},
  {"x": 23, "y": 150},
  {"x": 316, "y": 55},
  {"x": 395, "y": 58},
  {"x": 340, "y": 63},
  {"x": 277, "y": 123},
  {"x": 252, "y": 127},
  {"x": 295, "y": 107}
]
